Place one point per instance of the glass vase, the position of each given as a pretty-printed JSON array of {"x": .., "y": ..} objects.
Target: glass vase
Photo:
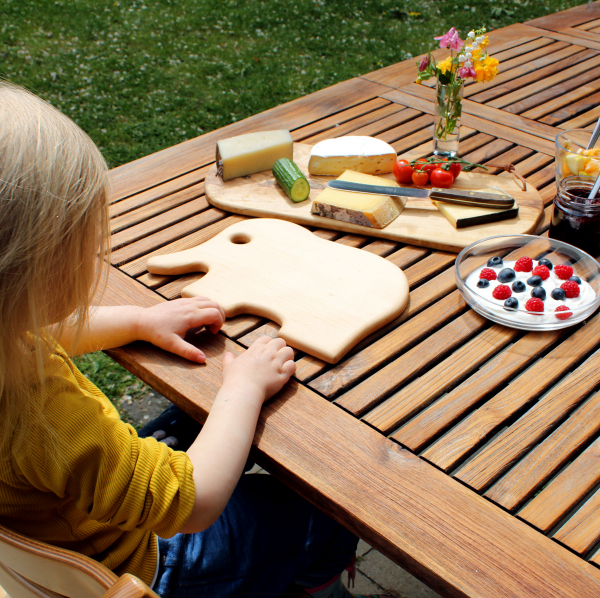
[{"x": 448, "y": 109}]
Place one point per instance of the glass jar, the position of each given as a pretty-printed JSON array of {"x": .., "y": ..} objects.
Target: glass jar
[
  {"x": 446, "y": 126},
  {"x": 572, "y": 157},
  {"x": 576, "y": 219}
]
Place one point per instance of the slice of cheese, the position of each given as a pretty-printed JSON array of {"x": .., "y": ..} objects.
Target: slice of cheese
[
  {"x": 254, "y": 152},
  {"x": 332, "y": 157},
  {"x": 365, "y": 209},
  {"x": 463, "y": 216}
]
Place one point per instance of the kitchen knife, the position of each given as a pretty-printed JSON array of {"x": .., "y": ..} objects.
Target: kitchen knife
[{"x": 463, "y": 197}]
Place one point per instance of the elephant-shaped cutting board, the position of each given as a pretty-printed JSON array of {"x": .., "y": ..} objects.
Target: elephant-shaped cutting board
[{"x": 326, "y": 296}]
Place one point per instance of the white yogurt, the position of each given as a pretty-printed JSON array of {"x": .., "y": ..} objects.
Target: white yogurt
[{"x": 586, "y": 294}]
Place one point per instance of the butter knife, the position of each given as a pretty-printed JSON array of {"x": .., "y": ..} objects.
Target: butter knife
[{"x": 468, "y": 198}]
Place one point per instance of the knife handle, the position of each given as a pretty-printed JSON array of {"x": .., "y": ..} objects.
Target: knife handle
[{"x": 492, "y": 200}]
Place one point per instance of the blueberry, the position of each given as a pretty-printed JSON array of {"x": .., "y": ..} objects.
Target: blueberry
[
  {"x": 534, "y": 281},
  {"x": 506, "y": 275},
  {"x": 575, "y": 279},
  {"x": 518, "y": 286},
  {"x": 483, "y": 283},
  {"x": 511, "y": 303},
  {"x": 545, "y": 262},
  {"x": 538, "y": 292},
  {"x": 495, "y": 262},
  {"x": 558, "y": 295}
]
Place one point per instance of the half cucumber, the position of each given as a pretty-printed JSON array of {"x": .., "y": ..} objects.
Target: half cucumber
[{"x": 290, "y": 177}]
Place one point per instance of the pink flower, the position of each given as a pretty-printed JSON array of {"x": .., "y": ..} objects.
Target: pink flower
[
  {"x": 466, "y": 72},
  {"x": 450, "y": 40},
  {"x": 424, "y": 63}
]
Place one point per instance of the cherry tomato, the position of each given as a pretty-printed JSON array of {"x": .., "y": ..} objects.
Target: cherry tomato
[
  {"x": 455, "y": 168},
  {"x": 441, "y": 178},
  {"x": 428, "y": 167},
  {"x": 420, "y": 178},
  {"x": 403, "y": 171}
]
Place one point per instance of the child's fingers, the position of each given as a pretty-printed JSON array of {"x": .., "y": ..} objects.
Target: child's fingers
[
  {"x": 228, "y": 358},
  {"x": 288, "y": 368},
  {"x": 210, "y": 317},
  {"x": 178, "y": 346},
  {"x": 205, "y": 302}
]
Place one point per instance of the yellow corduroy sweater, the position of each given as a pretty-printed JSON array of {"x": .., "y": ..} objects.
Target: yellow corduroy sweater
[{"x": 108, "y": 494}]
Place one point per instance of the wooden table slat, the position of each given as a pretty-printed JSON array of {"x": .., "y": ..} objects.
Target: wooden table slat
[
  {"x": 442, "y": 414},
  {"x": 350, "y": 126},
  {"x": 134, "y": 266},
  {"x": 368, "y": 393},
  {"x": 565, "y": 491},
  {"x": 582, "y": 531},
  {"x": 507, "y": 448},
  {"x": 142, "y": 213},
  {"x": 553, "y": 98},
  {"x": 367, "y": 109},
  {"x": 169, "y": 227},
  {"x": 521, "y": 83},
  {"x": 490, "y": 120},
  {"x": 548, "y": 457},
  {"x": 420, "y": 393}
]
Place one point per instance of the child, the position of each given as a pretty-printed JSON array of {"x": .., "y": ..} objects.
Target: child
[{"x": 74, "y": 475}]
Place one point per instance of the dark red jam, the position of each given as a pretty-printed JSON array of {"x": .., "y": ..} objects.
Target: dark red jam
[{"x": 576, "y": 220}]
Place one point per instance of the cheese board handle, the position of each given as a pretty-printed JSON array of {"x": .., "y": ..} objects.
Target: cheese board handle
[{"x": 479, "y": 198}]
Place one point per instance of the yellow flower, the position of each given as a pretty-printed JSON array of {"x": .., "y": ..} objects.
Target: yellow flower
[
  {"x": 485, "y": 42},
  {"x": 445, "y": 65},
  {"x": 486, "y": 69},
  {"x": 419, "y": 81}
]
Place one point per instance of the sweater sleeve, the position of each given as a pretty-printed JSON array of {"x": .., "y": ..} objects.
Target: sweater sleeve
[{"x": 100, "y": 463}]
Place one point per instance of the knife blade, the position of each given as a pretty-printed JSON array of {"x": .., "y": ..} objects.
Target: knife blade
[{"x": 463, "y": 197}]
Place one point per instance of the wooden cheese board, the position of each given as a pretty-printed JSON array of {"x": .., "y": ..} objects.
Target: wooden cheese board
[
  {"x": 420, "y": 223},
  {"x": 326, "y": 296}
]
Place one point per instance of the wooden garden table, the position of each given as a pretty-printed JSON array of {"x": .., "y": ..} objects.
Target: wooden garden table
[{"x": 465, "y": 451}]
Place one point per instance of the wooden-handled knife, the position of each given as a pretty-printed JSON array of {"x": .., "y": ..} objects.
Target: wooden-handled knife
[{"x": 463, "y": 197}]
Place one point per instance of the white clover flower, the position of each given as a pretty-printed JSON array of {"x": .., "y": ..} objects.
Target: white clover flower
[
  {"x": 468, "y": 64},
  {"x": 461, "y": 58},
  {"x": 479, "y": 39},
  {"x": 468, "y": 55},
  {"x": 471, "y": 34},
  {"x": 475, "y": 46}
]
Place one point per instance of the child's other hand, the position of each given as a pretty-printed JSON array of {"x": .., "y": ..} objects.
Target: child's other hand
[
  {"x": 166, "y": 324},
  {"x": 261, "y": 370}
]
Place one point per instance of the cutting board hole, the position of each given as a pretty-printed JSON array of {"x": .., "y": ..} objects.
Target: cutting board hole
[{"x": 240, "y": 239}]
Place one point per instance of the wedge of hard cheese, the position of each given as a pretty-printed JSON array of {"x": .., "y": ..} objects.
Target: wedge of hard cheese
[
  {"x": 364, "y": 209},
  {"x": 463, "y": 216},
  {"x": 254, "y": 152},
  {"x": 332, "y": 157}
]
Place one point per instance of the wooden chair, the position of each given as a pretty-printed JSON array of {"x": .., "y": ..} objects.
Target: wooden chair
[{"x": 32, "y": 569}]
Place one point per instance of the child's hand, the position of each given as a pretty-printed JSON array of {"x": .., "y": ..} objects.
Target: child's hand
[
  {"x": 166, "y": 324},
  {"x": 261, "y": 371}
]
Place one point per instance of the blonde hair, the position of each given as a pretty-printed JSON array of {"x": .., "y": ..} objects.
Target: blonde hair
[{"x": 53, "y": 229}]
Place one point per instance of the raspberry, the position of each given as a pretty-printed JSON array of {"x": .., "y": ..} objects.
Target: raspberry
[
  {"x": 564, "y": 272},
  {"x": 488, "y": 274},
  {"x": 542, "y": 272},
  {"x": 524, "y": 264},
  {"x": 570, "y": 288},
  {"x": 502, "y": 291},
  {"x": 534, "y": 305},
  {"x": 563, "y": 312}
]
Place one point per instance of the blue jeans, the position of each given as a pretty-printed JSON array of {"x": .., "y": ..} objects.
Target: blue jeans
[{"x": 266, "y": 538}]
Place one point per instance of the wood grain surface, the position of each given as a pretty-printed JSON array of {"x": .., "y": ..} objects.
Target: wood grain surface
[
  {"x": 325, "y": 296},
  {"x": 486, "y": 485},
  {"x": 420, "y": 222}
]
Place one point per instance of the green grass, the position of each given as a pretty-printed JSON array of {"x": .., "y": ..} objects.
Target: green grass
[
  {"x": 142, "y": 76},
  {"x": 115, "y": 381}
]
